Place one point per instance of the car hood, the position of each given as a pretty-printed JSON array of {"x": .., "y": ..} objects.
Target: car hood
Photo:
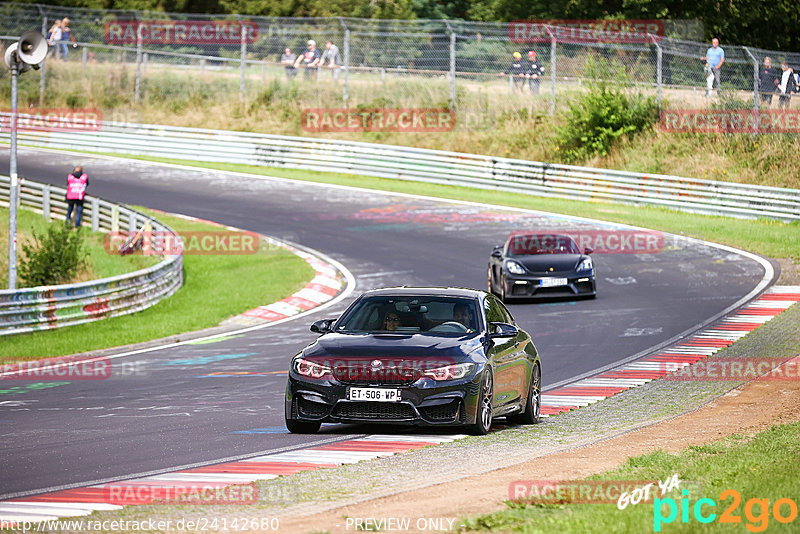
[
  {"x": 544, "y": 262},
  {"x": 392, "y": 346}
]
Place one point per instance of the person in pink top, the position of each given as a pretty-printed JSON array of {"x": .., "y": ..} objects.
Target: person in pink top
[{"x": 77, "y": 182}]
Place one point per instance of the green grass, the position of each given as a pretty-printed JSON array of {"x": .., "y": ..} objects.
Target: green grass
[
  {"x": 100, "y": 264},
  {"x": 761, "y": 467},
  {"x": 766, "y": 237},
  {"x": 215, "y": 287}
]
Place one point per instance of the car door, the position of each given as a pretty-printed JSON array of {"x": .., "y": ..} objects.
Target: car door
[
  {"x": 519, "y": 364},
  {"x": 503, "y": 355}
]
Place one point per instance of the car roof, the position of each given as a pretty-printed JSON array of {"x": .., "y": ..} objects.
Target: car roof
[{"x": 426, "y": 291}]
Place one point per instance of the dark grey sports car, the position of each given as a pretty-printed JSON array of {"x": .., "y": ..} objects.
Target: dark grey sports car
[
  {"x": 420, "y": 356},
  {"x": 533, "y": 265}
]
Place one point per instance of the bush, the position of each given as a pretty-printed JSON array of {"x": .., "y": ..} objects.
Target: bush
[
  {"x": 54, "y": 258},
  {"x": 597, "y": 118}
]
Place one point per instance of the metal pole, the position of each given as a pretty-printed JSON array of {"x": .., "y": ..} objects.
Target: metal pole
[
  {"x": 346, "y": 89},
  {"x": 755, "y": 90},
  {"x": 42, "y": 80},
  {"x": 138, "y": 87},
  {"x": 452, "y": 65},
  {"x": 552, "y": 70},
  {"x": 243, "y": 61},
  {"x": 659, "y": 60},
  {"x": 14, "y": 187}
]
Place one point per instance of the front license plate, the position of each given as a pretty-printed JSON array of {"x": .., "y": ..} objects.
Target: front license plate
[
  {"x": 373, "y": 394},
  {"x": 552, "y": 282}
]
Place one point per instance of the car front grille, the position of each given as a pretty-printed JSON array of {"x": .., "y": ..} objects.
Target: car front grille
[
  {"x": 361, "y": 374},
  {"x": 441, "y": 412},
  {"x": 374, "y": 410}
]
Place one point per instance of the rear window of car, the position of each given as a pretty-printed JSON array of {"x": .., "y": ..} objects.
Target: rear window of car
[
  {"x": 411, "y": 315},
  {"x": 525, "y": 244}
]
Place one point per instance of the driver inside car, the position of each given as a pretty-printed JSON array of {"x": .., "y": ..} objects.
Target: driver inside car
[
  {"x": 461, "y": 315},
  {"x": 391, "y": 321}
]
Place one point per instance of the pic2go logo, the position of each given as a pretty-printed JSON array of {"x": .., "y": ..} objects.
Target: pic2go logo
[{"x": 757, "y": 521}]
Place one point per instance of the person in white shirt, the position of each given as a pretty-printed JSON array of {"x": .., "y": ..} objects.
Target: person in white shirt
[
  {"x": 334, "y": 59},
  {"x": 787, "y": 86}
]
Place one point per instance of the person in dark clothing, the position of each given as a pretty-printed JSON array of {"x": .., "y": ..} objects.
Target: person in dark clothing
[
  {"x": 786, "y": 86},
  {"x": 534, "y": 71},
  {"x": 517, "y": 70},
  {"x": 768, "y": 81},
  {"x": 77, "y": 182}
]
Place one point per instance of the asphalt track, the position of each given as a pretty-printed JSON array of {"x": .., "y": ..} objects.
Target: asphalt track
[{"x": 171, "y": 408}]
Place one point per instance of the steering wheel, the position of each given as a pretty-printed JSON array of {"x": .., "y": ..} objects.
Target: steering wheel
[{"x": 450, "y": 326}]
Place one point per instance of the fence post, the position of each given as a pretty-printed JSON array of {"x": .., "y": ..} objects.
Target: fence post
[
  {"x": 95, "y": 214},
  {"x": 755, "y": 90},
  {"x": 42, "y": 80},
  {"x": 243, "y": 59},
  {"x": 659, "y": 62},
  {"x": 452, "y": 64},
  {"x": 137, "y": 89},
  {"x": 346, "y": 89},
  {"x": 84, "y": 57},
  {"x": 552, "y": 69}
]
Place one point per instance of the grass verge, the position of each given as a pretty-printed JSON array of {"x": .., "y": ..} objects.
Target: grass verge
[
  {"x": 215, "y": 287},
  {"x": 763, "y": 236},
  {"x": 99, "y": 264},
  {"x": 756, "y": 468}
]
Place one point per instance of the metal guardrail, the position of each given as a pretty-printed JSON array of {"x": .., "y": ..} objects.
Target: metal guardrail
[
  {"x": 48, "y": 307},
  {"x": 434, "y": 166}
]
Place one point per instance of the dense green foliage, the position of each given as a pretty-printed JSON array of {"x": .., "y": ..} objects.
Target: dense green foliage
[
  {"x": 54, "y": 258},
  {"x": 771, "y": 25},
  {"x": 599, "y": 117}
]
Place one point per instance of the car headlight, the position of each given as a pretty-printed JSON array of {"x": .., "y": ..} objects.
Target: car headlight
[
  {"x": 449, "y": 372},
  {"x": 514, "y": 267},
  {"x": 310, "y": 369},
  {"x": 586, "y": 265}
]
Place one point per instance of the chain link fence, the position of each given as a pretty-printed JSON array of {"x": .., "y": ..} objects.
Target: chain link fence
[{"x": 464, "y": 66}]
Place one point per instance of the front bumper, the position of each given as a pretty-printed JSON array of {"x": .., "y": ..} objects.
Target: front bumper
[
  {"x": 424, "y": 402},
  {"x": 579, "y": 284}
]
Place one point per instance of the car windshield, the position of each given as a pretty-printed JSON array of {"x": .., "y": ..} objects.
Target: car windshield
[
  {"x": 526, "y": 244},
  {"x": 429, "y": 315}
]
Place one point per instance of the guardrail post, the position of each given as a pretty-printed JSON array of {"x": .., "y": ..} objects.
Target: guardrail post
[
  {"x": 42, "y": 80},
  {"x": 755, "y": 89},
  {"x": 46, "y": 201},
  {"x": 145, "y": 59},
  {"x": 115, "y": 218},
  {"x": 346, "y": 89},
  {"x": 659, "y": 59},
  {"x": 552, "y": 69},
  {"x": 131, "y": 222},
  {"x": 95, "y": 214}
]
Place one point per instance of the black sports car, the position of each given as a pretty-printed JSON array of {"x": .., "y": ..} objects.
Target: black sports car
[
  {"x": 541, "y": 265},
  {"x": 424, "y": 356}
]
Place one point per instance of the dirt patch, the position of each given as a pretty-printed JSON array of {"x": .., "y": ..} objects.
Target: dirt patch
[
  {"x": 790, "y": 272},
  {"x": 746, "y": 410}
]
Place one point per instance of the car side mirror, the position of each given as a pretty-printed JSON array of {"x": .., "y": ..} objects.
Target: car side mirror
[
  {"x": 588, "y": 250},
  {"x": 497, "y": 253},
  {"x": 501, "y": 330},
  {"x": 322, "y": 326}
]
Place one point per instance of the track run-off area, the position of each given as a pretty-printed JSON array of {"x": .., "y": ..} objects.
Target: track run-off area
[{"x": 196, "y": 404}]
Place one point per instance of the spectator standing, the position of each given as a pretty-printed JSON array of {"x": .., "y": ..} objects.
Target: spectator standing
[
  {"x": 715, "y": 57},
  {"x": 310, "y": 59},
  {"x": 768, "y": 81},
  {"x": 534, "y": 71},
  {"x": 77, "y": 182},
  {"x": 66, "y": 37},
  {"x": 54, "y": 36},
  {"x": 334, "y": 59},
  {"x": 787, "y": 86},
  {"x": 288, "y": 58},
  {"x": 516, "y": 70}
]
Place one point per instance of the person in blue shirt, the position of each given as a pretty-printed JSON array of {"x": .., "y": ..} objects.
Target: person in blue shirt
[{"x": 714, "y": 58}]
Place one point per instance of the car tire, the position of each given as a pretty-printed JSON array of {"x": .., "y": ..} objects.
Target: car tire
[
  {"x": 502, "y": 294},
  {"x": 302, "y": 427},
  {"x": 532, "y": 413},
  {"x": 490, "y": 281},
  {"x": 484, "y": 413}
]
